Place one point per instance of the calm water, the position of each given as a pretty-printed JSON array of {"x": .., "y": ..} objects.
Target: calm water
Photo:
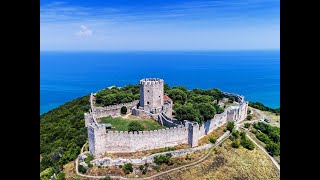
[{"x": 65, "y": 76}]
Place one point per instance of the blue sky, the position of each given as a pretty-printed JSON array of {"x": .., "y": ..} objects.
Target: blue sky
[{"x": 118, "y": 25}]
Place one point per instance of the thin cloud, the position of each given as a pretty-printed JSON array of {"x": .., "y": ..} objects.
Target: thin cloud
[{"x": 84, "y": 31}]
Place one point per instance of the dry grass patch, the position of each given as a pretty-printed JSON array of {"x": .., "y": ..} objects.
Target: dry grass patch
[
  {"x": 215, "y": 133},
  {"x": 230, "y": 163},
  {"x": 69, "y": 170},
  {"x": 102, "y": 171}
]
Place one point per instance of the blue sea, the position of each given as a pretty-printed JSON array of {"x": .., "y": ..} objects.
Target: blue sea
[{"x": 67, "y": 75}]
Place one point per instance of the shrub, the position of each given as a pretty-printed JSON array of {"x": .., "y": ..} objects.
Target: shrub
[
  {"x": 212, "y": 139},
  {"x": 157, "y": 168},
  {"x": 273, "y": 148},
  {"x": 89, "y": 158},
  {"x": 82, "y": 169},
  {"x": 249, "y": 117},
  {"x": 144, "y": 168},
  {"x": 106, "y": 178},
  {"x": 123, "y": 110},
  {"x": 141, "y": 167},
  {"x": 60, "y": 176},
  {"x": 254, "y": 131},
  {"x": 247, "y": 125},
  {"x": 243, "y": 135},
  {"x": 246, "y": 143},
  {"x": 230, "y": 125},
  {"x": 46, "y": 173},
  {"x": 161, "y": 159},
  {"x": 127, "y": 168},
  {"x": 263, "y": 137},
  {"x": 135, "y": 126},
  {"x": 188, "y": 157},
  {"x": 90, "y": 165},
  {"x": 235, "y": 134},
  {"x": 235, "y": 144}
]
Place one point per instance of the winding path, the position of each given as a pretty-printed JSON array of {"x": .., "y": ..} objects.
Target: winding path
[{"x": 162, "y": 173}]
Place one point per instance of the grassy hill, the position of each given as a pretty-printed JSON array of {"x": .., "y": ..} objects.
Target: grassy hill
[{"x": 226, "y": 162}]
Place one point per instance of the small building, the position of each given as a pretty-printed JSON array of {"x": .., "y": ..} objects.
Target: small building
[{"x": 167, "y": 98}]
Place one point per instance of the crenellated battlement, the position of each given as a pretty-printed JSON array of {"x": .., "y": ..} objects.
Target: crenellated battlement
[{"x": 151, "y": 81}]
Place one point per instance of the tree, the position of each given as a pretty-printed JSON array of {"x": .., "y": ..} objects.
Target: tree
[
  {"x": 246, "y": 143},
  {"x": 177, "y": 95},
  {"x": 123, "y": 110},
  {"x": 46, "y": 173},
  {"x": 206, "y": 110},
  {"x": 182, "y": 88},
  {"x": 273, "y": 148},
  {"x": 189, "y": 112},
  {"x": 249, "y": 117},
  {"x": 127, "y": 168},
  {"x": 166, "y": 88},
  {"x": 60, "y": 176},
  {"x": 135, "y": 126},
  {"x": 230, "y": 125},
  {"x": 219, "y": 109},
  {"x": 235, "y": 134},
  {"x": 242, "y": 135}
]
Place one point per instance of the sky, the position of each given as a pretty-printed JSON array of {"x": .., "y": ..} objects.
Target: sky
[{"x": 118, "y": 25}]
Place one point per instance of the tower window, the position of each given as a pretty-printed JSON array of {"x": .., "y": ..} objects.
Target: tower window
[
  {"x": 148, "y": 102},
  {"x": 148, "y": 90},
  {"x": 159, "y": 96}
]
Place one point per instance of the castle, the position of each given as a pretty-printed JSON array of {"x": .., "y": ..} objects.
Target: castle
[{"x": 155, "y": 104}]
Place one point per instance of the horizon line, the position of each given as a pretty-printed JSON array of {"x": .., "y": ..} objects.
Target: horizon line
[{"x": 191, "y": 50}]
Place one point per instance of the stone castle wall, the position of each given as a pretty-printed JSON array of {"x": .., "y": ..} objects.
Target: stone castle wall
[
  {"x": 113, "y": 110},
  {"x": 102, "y": 141},
  {"x": 119, "y": 141}
]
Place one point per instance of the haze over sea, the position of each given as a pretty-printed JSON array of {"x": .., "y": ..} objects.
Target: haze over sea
[{"x": 65, "y": 76}]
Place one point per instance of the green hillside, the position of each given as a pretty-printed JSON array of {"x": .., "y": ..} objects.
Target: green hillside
[{"x": 62, "y": 133}]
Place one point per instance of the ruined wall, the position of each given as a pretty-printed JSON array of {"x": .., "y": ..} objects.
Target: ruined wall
[
  {"x": 165, "y": 120},
  {"x": 119, "y": 141},
  {"x": 151, "y": 94},
  {"x": 113, "y": 110}
]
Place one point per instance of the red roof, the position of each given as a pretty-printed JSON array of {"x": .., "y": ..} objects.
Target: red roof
[{"x": 167, "y": 98}]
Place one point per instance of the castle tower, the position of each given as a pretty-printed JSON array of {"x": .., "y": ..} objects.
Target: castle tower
[{"x": 151, "y": 94}]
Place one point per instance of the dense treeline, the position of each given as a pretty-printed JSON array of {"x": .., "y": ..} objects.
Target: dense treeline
[
  {"x": 262, "y": 107},
  {"x": 270, "y": 136},
  {"x": 62, "y": 134},
  {"x": 117, "y": 95},
  {"x": 196, "y": 105}
]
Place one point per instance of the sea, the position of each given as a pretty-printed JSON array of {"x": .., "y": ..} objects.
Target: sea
[{"x": 65, "y": 76}]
